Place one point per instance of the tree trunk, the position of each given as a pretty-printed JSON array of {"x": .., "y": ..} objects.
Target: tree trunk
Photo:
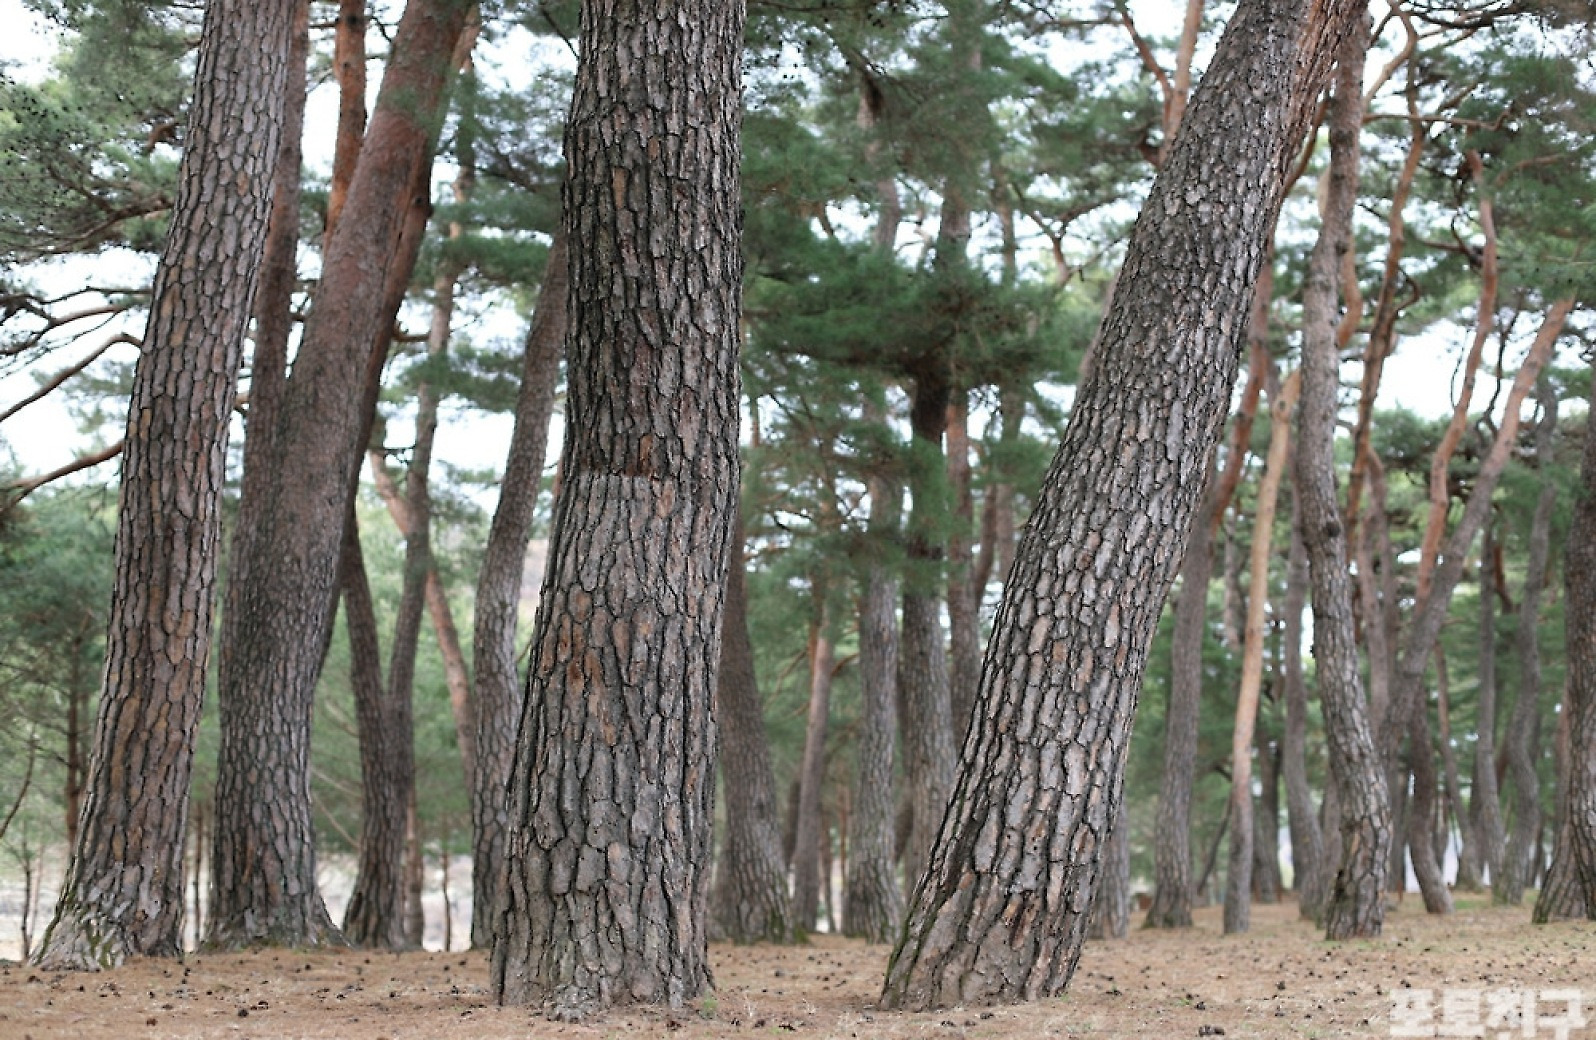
[
  {"x": 929, "y": 748},
  {"x": 1308, "y": 867},
  {"x": 1356, "y": 904},
  {"x": 1561, "y": 898},
  {"x": 1422, "y": 812},
  {"x": 1002, "y": 911},
  {"x": 613, "y": 783},
  {"x": 750, "y": 899},
  {"x": 123, "y": 893},
  {"x": 1172, "y": 887},
  {"x": 1238, "y": 886},
  {"x": 1452, "y": 807},
  {"x": 873, "y": 904},
  {"x": 964, "y": 598},
  {"x": 1483, "y": 840},
  {"x": 264, "y": 862},
  {"x": 374, "y": 916},
  {"x": 812, "y": 771},
  {"x": 1111, "y": 906},
  {"x": 1579, "y": 618},
  {"x": 498, "y": 600},
  {"x": 1266, "y": 880},
  {"x": 1523, "y": 731}
]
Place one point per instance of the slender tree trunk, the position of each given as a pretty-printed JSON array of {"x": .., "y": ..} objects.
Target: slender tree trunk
[
  {"x": 264, "y": 863},
  {"x": 613, "y": 781},
  {"x": 1172, "y": 887},
  {"x": 1266, "y": 880},
  {"x": 1355, "y": 905},
  {"x": 1422, "y": 812},
  {"x": 1238, "y": 887},
  {"x": 498, "y": 600},
  {"x": 1523, "y": 730},
  {"x": 1112, "y": 904},
  {"x": 415, "y": 875},
  {"x": 750, "y": 900},
  {"x": 374, "y": 916},
  {"x": 1001, "y": 913},
  {"x": 1452, "y": 808},
  {"x": 964, "y": 598},
  {"x": 1579, "y": 618},
  {"x": 873, "y": 905},
  {"x": 812, "y": 770},
  {"x": 1483, "y": 844},
  {"x": 123, "y": 893},
  {"x": 1308, "y": 867}
]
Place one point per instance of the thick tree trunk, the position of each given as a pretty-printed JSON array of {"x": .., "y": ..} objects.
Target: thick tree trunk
[
  {"x": 1561, "y": 898},
  {"x": 1523, "y": 730},
  {"x": 123, "y": 893},
  {"x": 613, "y": 782},
  {"x": 873, "y": 904},
  {"x": 750, "y": 899},
  {"x": 264, "y": 887},
  {"x": 498, "y": 600},
  {"x": 1355, "y": 904},
  {"x": 1579, "y": 584},
  {"x": 374, "y": 916},
  {"x": 1308, "y": 867},
  {"x": 1238, "y": 885},
  {"x": 808, "y": 834},
  {"x": 1002, "y": 911},
  {"x": 1172, "y": 886}
]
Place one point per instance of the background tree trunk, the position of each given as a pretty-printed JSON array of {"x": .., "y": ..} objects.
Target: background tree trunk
[
  {"x": 1356, "y": 904},
  {"x": 1111, "y": 906},
  {"x": 264, "y": 863},
  {"x": 1002, "y": 911},
  {"x": 613, "y": 782},
  {"x": 1579, "y": 584},
  {"x": 498, "y": 599},
  {"x": 750, "y": 899},
  {"x": 123, "y": 894},
  {"x": 1308, "y": 867},
  {"x": 808, "y": 833},
  {"x": 1523, "y": 731},
  {"x": 1481, "y": 855}
]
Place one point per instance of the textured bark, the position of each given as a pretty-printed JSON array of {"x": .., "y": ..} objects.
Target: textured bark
[
  {"x": 613, "y": 782},
  {"x": 1308, "y": 867},
  {"x": 264, "y": 882},
  {"x": 1238, "y": 886},
  {"x": 1002, "y": 910},
  {"x": 1420, "y": 822},
  {"x": 498, "y": 600},
  {"x": 1579, "y": 619},
  {"x": 1355, "y": 904},
  {"x": 123, "y": 892},
  {"x": 751, "y": 903},
  {"x": 1524, "y": 725},
  {"x": 1172, "y": 885},
  {"x": 873, "y": 902},
  {"x": 808, "y": 833},
  {"x": 349, "y": 68},
  {"x": 374, "y": 916},
  {"x": 1561, "y": 897}
]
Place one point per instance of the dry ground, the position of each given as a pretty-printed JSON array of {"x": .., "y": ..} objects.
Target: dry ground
[{"x": 1279, "y": 980}]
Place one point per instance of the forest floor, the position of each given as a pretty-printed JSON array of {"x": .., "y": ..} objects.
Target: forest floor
[{"x": 1278, "y": 980}]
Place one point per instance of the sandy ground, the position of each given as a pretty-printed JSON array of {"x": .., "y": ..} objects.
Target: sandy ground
[{"x": 1279, "y": 980}]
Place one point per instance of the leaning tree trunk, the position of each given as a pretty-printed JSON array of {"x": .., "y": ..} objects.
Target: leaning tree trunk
[
  {"x": 123, "y": 893},
  {"x": 498, "y": 600},
  {"x": 1308, "y": 867},
  {"x": 1579, "y": 619},
  {"x": 1523, "y": 731},
  {"x": 613, "y": 783},
  {"x": 872, "y": 905},
  {"x": 1172, "y": 884},
  {"x": 1355, "y": 903},
  {"x": 264, "y": 882},
  {"x": 750, "y": 900},
  {"x": 1001, "y": 913}
]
